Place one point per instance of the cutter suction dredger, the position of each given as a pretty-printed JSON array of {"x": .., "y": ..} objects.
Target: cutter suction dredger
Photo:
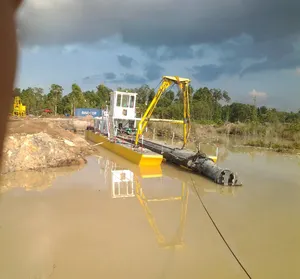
[
  {"x": 120, "y": 131},
  {"x": 195, "y": 161}
]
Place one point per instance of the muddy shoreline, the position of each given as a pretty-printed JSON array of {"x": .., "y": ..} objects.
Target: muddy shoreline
[{"x": 37, "y": 144}]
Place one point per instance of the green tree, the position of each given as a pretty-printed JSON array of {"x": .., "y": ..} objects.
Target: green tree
[
  {"x": 39, "y": 99},
  {"x": 55, "y": 96},
  {"x": 27, "y": 98},
  {"x": 207, "y": 105},
  {"x": 144, "y": 95},
  {"x": 240, "y": 112},
  {"x": 76, "y": 98},
  {"x": 226, "y": 97},
  {"x": 217, "y": 96},
  {"x": 92, "y": 99},
  {"x": 66, "y": 106},
  {"x": 166, "y": 99},
  {"x": 272, "y": 116},
  {"x": 123, "y": 89},
  {"x": 33, "y": 99},
  {"x": 191, "y": 91},
  {"x": 226, "y": 108},
  {"x": 103, "y": 93}
]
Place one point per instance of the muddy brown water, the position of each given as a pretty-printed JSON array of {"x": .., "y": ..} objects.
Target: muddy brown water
[{"x": 78, "y": 223}]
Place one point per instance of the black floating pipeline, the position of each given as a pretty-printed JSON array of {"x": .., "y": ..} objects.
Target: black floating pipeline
[
  {"x": 197, "y": 162},
  {"x": 200, "y": 163}
]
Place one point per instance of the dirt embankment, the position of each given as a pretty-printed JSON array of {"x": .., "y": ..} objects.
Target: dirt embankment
[{"x": 36, "y": 144}]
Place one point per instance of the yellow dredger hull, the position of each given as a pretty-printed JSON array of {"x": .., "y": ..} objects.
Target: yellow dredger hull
[{"x": 143, "y": 160}]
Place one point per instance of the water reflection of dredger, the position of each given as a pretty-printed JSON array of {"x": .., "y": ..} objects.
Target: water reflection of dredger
[
  {"x": 107, "y": 165},
  {"x": 122, "y": 185},
  {"x": 177, "y": 240},
  {"x": 126, "y": 184}
]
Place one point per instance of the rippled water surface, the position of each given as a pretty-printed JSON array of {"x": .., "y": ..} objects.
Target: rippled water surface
[{"x": 111, "y": 219}]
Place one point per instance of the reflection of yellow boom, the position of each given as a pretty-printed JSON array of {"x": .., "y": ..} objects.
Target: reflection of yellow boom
[
  {"x": 177, "y": 241},
  {"x": 167, "y": 81},
  {"x": 146, "y": 173}
]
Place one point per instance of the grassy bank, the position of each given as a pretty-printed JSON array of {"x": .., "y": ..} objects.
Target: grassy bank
[
  {"x": 278, "y": 147},
  {"x": 278, "y": 137},
  {"x": 270, "y": 131}
]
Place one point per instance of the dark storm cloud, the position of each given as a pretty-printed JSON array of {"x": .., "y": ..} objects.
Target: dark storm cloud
[
  {"x": 154, "y": 23},
  {"x": 110, "y": 76},
  {"x": 278, "y": 54},
  {"x": 125, "y": 61},
  {"x": 288, "y": 62},
  {"x": 91, "y": 79},
  {"x": 170, "y": 53},
  {"x": 153, "y": 71},
  {"x": 177, "y": 53},
  {"x": 199, "y": 53},
  {"x": 133, "y": 79},
  {"x": 113, "y": 78},
  {"x": 281, "y": 54},
  {"x": 212, "y": 72},
  {"x": 271, "y": 27},
  {"x": 206, "y": 72}
]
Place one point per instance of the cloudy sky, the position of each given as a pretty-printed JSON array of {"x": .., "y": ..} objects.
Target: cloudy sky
[{"x": 248, "y": 47}]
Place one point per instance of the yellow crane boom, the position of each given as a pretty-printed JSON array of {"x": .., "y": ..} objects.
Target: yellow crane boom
[{"x": 167, "y": 81}]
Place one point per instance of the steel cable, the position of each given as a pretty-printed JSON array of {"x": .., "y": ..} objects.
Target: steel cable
[{"x": 219, "y": 232}]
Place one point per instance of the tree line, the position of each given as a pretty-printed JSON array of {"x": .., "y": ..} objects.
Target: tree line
[{"x": 207, "y": 105}]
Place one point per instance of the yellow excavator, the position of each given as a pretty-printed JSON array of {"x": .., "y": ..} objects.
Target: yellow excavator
[
  {"x": 18, "y": 108},
  {"x": 167, "y": 81}
]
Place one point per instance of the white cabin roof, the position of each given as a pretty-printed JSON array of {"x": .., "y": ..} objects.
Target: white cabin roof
[{"x": 122, "y": 92}]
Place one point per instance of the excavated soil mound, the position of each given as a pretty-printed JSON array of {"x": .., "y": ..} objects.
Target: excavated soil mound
[{"x": 35, "y": 145}]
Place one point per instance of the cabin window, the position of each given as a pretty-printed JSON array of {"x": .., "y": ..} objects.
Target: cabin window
[
  {"x": 131, "y": 101},
  {"x": 125, "y": 101},
  {"x": 119, "y": 100}
]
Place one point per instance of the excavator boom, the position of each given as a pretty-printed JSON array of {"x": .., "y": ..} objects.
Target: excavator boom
[{"x": 167, "y": 81}]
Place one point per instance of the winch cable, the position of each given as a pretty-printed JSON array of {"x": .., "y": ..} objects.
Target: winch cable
[
  {"x": 219, "y": 232},
  {"x": 169, "y": 89}
]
